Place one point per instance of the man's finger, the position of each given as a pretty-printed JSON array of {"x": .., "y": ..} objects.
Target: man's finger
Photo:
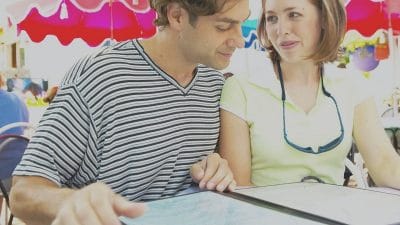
[
  {"x": 224, "y": 183},
  {"x": 232, "y": 186},
  {"x": 129, "y": 209},
  {"x": 223, "y": 172},
  {"x": 102, "y": 204},
  {"x": 212, "y": 165},
  {"x": 197, "y": 172},
  {"x": 85, "y": 213}
]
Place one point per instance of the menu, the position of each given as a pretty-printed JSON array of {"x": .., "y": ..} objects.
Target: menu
[
  {"x": 210, "y": 208},
  {"x": 344, "y": 204}
]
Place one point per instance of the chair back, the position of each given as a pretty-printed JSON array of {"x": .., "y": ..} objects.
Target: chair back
[
  {"x": 6, "y": 128},
  {"x": 12, "y": 147},
  {"x": 354, "y": 165}
]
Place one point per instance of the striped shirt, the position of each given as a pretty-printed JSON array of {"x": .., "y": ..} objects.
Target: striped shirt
[{"x": 119, "y": 119}]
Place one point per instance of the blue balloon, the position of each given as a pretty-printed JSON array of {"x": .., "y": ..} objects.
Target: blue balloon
[{"x": 364, "y": 58}]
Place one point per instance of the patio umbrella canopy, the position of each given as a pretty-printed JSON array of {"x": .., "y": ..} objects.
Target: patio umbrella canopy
[
  {"x": 91, "y": 20},
  {"x": 369, "y": 16}
]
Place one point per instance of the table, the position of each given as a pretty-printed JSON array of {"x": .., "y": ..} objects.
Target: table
[{"x": 295, "y": 203}]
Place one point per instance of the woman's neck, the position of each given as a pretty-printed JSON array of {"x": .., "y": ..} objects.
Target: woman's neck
[
  {"x": 301, "y": 81},
  {"x": 304, "y": 73}
]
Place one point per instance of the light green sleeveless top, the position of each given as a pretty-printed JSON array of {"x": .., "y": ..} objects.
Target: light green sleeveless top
[{"x": 257, "y": 100}]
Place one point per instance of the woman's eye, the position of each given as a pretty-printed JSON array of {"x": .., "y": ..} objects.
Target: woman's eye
[
  {"x": 294, "y": 14},
  {"x": 272, "y": 19}
]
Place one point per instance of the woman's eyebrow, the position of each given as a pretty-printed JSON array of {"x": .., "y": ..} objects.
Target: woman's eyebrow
[{"x": 285, "y": 10}]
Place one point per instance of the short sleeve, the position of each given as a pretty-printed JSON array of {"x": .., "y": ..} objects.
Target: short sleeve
[
  {"x": 233, "y": 98},
  {"x": 61, "y": 142}
]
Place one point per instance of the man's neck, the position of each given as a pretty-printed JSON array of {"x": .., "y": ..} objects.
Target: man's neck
[{"x": 164, "y": 51}]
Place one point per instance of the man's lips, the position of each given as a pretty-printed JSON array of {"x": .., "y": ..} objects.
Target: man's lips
[{"x": 228, "y": 55}]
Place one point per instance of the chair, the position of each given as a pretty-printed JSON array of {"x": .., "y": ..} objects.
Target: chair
[
  {"x": 12, "y": 147},
  {"x": 355, "y": 166},
  {"x": 14, "y": 125},
  {"x": 391, "y": 131}
]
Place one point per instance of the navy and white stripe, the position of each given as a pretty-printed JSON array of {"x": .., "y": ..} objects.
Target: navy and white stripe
[{"x": 120, "y": 119}]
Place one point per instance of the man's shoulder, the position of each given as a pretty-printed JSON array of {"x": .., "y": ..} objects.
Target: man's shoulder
[
  {"x": 104, "y": 59},
  {"x": 114, "y": 51}
]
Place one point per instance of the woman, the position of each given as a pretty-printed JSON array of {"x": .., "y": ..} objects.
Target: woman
[{"x": 297, "y": 118}]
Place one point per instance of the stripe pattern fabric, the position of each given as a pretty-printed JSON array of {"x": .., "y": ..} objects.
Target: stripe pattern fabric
[{"x": 121, "y": 120}]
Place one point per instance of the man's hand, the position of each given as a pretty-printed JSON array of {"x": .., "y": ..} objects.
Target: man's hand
[
  {"x": 213, "y": 173},
  {"x": 96, "y": 204}
]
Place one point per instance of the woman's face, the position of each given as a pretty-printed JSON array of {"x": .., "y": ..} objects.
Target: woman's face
[{"x": 293, "y": 27}]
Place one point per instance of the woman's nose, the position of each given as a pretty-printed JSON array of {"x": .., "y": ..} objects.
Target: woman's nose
[{"x": 283, "y": 27}]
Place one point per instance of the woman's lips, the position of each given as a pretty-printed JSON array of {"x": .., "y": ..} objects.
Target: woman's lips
[{"x": 288, "y": 44}]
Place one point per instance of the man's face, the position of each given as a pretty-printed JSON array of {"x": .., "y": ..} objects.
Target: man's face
[{"x": 213, "y": 39}]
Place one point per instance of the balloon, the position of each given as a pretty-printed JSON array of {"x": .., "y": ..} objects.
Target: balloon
[{"x": 364, "y": 58}]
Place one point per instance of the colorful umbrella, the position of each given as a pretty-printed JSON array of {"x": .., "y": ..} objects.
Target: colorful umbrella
[
  {"x": 369, "y": 16},
  {"x": 91, "y": 20}
]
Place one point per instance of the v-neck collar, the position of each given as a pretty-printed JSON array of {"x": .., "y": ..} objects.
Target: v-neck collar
[
  {"x": 162, "y": 73},
  {"x": 262, "y": 74}
]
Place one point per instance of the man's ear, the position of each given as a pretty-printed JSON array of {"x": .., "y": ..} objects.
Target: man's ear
[{"x": 177, "y": 16}]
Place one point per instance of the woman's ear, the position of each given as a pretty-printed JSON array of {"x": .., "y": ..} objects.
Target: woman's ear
[{"x": 177, "y": 16}]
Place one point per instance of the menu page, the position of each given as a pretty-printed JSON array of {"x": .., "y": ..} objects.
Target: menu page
[
  {"x": 339, "y": 203},
  {"x": 209, "y": 208}
]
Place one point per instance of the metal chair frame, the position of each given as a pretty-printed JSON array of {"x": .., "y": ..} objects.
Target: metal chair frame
[{"x": 4, "y": 191}]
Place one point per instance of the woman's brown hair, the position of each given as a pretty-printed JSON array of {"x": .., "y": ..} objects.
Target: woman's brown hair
[{"x": 333, "y": 15}]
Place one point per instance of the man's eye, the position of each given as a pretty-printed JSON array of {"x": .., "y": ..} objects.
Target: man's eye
[{"x": 223, "y": 28}]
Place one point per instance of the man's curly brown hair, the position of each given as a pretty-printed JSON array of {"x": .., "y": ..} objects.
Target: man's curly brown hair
[{"x": 195, "y": 8}]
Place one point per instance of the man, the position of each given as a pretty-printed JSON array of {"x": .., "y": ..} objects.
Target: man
[{"x": 132, "y": 120}]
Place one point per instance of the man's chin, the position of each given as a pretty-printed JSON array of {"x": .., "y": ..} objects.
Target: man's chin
[{"x": 219, "y": 66}]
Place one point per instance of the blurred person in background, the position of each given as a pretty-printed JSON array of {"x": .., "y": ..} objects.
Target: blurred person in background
[
  {"x": 12, "y": 109},
  {"x": 50, "y": 94}
]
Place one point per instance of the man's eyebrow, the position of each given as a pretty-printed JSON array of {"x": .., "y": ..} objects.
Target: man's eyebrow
[{"x": 230, "y": 20}]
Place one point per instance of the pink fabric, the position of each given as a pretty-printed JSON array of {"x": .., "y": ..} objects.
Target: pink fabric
[
  {"x": 92, "y": 27},
  {"x": 94, "y": 5},
  {"x": 366, "y": 16}
]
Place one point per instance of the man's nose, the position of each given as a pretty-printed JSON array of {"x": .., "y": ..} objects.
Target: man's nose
[{"x": 237, "y": 40}]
